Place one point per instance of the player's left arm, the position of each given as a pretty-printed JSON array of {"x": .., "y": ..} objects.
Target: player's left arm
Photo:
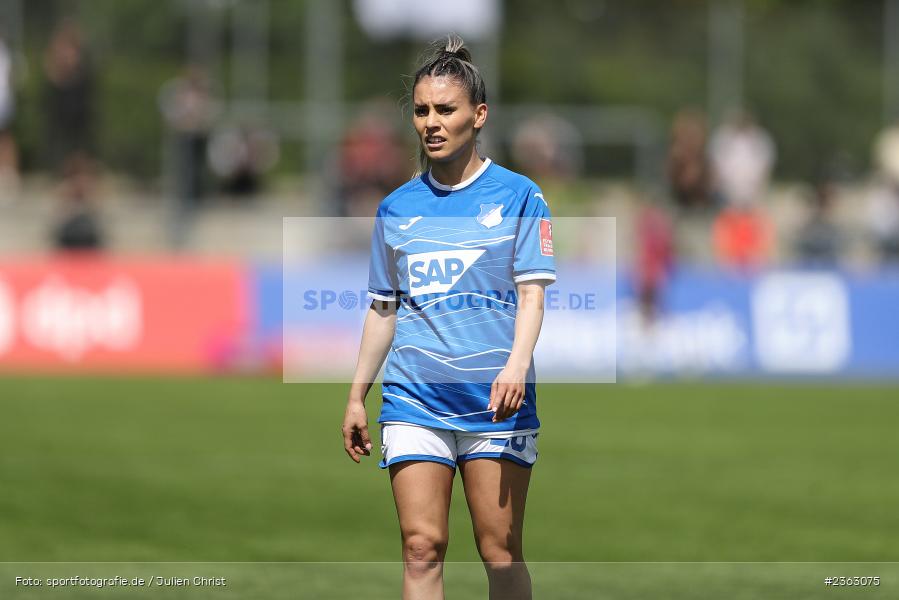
[{"x": 507, "y": 391}]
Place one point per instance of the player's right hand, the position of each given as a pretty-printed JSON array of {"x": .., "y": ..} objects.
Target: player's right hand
[{"x": 356, "y": 440}]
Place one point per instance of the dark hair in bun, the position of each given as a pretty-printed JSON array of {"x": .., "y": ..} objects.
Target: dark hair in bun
[{"x": 449, "y": 57}]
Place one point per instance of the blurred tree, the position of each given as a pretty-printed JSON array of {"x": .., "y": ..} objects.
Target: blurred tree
[
  {"x": 814, "y": 79},
  {"x": 813, "y": 68}
]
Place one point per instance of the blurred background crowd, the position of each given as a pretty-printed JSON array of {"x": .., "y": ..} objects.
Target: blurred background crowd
[
  {"x": 741, "y": 132},
  {"x": 732, "y": 135}
]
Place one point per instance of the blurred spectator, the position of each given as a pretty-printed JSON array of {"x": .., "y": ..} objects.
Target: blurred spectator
[
  {"x": 820, "y": 242},
  {"x": 688, "y": 171},
  {"x": 742, "y": 155},
  {"x": 78, "y": 227},
  {"x": 240, "y": 155},
  {"x": 547, "y": 147},
  {"x": 883, "y": 207},
  {"x": 69, "y": 95},
  {"x": 9, "y": 161},
  {"x": 189, "y": 109},
  {"x": 883, "y": 221},
  {"x": 742, "y": 237},
  {"x": 654, "y": 259},
  {"x": 886, "y": 153},
  {"x": 371, "y": 163}
]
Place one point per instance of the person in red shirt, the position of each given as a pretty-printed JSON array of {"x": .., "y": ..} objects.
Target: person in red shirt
[
  {"x": 742, "y": 237},
  {"x": 654, "y": 258}
]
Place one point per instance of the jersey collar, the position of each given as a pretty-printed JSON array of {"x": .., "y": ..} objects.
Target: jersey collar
[{"x": 463, "y": 184}]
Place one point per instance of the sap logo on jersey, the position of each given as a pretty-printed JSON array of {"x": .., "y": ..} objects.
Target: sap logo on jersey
[{"x": 438, "y": 272}]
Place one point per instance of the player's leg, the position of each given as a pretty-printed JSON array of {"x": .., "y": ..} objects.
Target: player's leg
[
  {"x": 422, "y": 463},
  {"x": 496, "y": 490},
  {"x": 422, "y": 491}
]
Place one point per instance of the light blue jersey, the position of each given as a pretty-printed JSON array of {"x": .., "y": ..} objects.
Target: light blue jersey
[{"x": 451, "y": 256}]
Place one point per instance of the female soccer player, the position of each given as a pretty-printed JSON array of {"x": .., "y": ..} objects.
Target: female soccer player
[{"x": 460, "y": 257}]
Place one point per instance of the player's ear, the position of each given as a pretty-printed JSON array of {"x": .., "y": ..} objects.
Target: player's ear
[{"x": 480, "y": 115}]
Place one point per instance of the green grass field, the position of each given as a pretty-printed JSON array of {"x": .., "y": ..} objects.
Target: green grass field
[{"x": 249, "y": 476}]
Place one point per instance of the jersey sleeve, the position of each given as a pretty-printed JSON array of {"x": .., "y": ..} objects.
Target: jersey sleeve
[
  {"x": 382, "y": 279},
  {"x": 534, "y": 258}
]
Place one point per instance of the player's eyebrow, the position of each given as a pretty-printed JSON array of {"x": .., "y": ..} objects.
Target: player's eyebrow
[{"x": 437, "y": 106}]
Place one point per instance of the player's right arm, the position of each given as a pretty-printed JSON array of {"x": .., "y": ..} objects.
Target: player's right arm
[{"x": 377, "y": 335}]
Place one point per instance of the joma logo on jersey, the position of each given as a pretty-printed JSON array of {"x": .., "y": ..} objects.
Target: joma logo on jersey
[{"x": 438, "y": 272}]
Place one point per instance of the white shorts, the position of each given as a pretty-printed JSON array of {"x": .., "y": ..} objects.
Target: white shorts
[{"x": 404, "y": 441}]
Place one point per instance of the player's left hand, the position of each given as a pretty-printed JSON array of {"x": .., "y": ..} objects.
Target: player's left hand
[{"x": 507, "y": 393}]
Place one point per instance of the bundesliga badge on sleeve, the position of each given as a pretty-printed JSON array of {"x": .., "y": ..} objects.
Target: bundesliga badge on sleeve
[{"x": 546, "y": 237}]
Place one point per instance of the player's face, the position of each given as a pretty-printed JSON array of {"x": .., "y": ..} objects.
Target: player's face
[{"x": 445, "y": 119}]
